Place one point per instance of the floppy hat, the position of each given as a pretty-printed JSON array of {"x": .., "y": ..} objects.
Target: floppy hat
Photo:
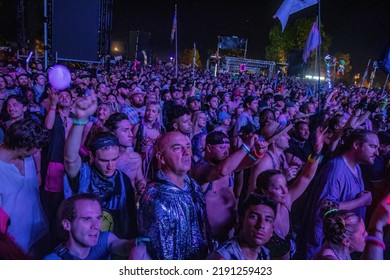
[{"x": 273, "y": 130}]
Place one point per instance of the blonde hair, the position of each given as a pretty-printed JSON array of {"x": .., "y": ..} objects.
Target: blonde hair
[{"x": 338, "y": 224}]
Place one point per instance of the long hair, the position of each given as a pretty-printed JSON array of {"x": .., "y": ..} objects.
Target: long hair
[
  {"x": 158, "y": 123},
  {"x": 195, "y": 120}
]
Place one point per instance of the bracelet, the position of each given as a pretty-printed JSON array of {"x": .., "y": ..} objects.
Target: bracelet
[
  {"x": 248, "y": 152},
  {"x": 245, "y": 148},
  {"x": 78, "y": 122},
  {"x": 314, "y": 158},
  {"x": 140, "y": 240},
  {"x": 52, "y": 108},
  {"x": 257, "y": 155},
  {"x": 252, "y": 157},
  {"x": 375, "y": 241}
]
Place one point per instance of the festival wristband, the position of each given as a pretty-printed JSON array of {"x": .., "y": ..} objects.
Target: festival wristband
[
  {"x": 375, "y": 241},
  {"x": 314, "y": 158},
  {"x": 257, "y": 155},
  {"x": 248, "y": 152},
  {"x": 78, "y": 122}
]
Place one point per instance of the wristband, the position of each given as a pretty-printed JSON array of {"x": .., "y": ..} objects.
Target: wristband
[
  {"x": 78, "y": 122},
  {"x": 245, "y": 148},
  {"x": 248, "y": 151},
  {"x": 314, "y": 158},
  {"x": 52, "y": 108},
  {"x": 257, "y": 155},
  {"x": 375, "y": 241}
]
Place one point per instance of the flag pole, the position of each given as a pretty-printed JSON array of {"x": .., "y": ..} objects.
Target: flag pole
[
  {"x": 372, "y": 77},
  {"x": 319, "y": 56},
  {"x": 366, "y": 72},
  {"x": 217, "y": 59},
  {"x": 246, "y": 47},
  {"x": 176, "y": 42},
  {"x": 193, "y": 63},
  {"x": 385, "y": 85}
]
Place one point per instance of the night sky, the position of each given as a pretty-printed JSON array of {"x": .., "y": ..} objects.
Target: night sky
[{"x": 361, "y": 28}]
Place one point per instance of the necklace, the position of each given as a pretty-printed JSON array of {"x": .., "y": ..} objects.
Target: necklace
[{"x": 339, "y": 257}]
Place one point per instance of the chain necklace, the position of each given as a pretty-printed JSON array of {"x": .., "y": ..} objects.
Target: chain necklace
[{"x": 339, "y": 257}]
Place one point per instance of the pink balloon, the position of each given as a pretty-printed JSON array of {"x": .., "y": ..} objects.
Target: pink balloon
[{"x": 59, "y": 77}]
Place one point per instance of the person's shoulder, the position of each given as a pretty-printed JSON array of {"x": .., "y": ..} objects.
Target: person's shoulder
[
  {"x": 131, "y": 155},
  {"x": 335, "y": 164},
  {"x": 52, "y": 256},
  {"x": 199, "y": 168}
]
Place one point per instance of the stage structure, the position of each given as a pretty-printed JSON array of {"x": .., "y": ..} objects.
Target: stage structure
[
  {"x": 138, "y": 46},
  {"x": 77, "y": 31},
  {"x": 237, "y": 64}
]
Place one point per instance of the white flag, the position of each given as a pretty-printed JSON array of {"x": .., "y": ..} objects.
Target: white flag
[
  {"x": 290, "y": 7},
  {"x": 313, "y": 41}
]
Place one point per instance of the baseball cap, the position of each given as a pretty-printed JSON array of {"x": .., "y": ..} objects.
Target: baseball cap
[
  {"x": 223, "y": 116},
  {"x": 217, "y": 137}
]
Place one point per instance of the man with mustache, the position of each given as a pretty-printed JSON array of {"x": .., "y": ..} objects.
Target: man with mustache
[{"x": 340, "y": 180}]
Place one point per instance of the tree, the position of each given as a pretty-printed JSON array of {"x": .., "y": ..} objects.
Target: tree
[
  {"x": 293, "y": 38},
  {"x": 187, "y": 58}
]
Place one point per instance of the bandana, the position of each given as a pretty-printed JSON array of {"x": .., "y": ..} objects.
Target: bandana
[{"x": 101, "y": 142}]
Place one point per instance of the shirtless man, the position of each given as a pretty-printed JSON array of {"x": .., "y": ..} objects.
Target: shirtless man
[
  {"x": 129, "y": 162},
  {"x": 277, "y": 137},
  {"x": 215, "y": 174}
]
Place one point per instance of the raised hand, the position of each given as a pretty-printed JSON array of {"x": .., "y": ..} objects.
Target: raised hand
[
  {"x": 261, "y": 147},
  {"x": 53, "y": 94},
  {"x": 290, "y": 173},
  {"x": 85, "y": 106},
  {"x": 250, "y": 140},
  {"x": 320, "y": 138},
  {"x": 381, "y": 216}
]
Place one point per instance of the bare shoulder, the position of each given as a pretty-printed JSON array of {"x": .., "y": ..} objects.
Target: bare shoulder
[
  {"x": 215, "y": 256},
  {"x": 264, "y": 164},
  {"x": 133, "y": 155},
  {"x": 200, "y": 169}
]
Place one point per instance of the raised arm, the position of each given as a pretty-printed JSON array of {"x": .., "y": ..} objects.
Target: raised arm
[
  {"x": 84, "y": 107},
  {"x": 379, "y": 219},
  {"x": 309, "y": 170},
  {"x": 226, "y": 166},
  {"x": 51, "y": 113}
]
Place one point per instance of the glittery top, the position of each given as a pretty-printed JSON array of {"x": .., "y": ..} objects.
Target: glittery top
[{"x": 174, "y": 219}]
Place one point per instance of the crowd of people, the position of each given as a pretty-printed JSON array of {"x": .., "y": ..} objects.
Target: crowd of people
[{"x": 134, "y": 162}]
